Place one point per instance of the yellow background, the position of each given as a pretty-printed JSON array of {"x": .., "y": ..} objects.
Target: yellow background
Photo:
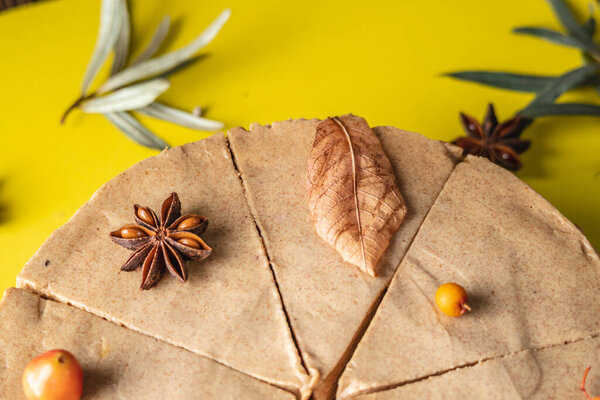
[{"x": 276, "y": 60}]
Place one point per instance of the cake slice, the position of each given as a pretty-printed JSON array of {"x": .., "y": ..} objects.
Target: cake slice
[
  {"x": 117, "y": 362},
  {"x": 328, "y": 301},
  {"x": 531, "y": 275},
  {"x": 228, "y": 310},
  {"x": 551, "y": 373}
]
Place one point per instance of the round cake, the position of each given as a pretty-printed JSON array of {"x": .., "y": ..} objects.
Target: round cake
[{"x": 274, "y": 312}]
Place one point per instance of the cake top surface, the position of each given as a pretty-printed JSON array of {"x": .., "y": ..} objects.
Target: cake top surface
[
  {"x": 277, "y": 303},
  {"x": 328, "y": 300},
  {"x": 229, "y": 309},
  {"x": 525, "y": 266},
  {"x": 117, "y": 362}
]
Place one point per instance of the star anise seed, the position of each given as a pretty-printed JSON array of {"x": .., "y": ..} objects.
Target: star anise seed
[
  {"x": 165, "y": 243},
  {"x": 500, "y": 142}
]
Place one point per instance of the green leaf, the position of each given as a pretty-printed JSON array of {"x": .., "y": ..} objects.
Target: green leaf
[
  {"x": 589, "y": 27},
  {"x": 551, "y": 36},
  {"x": 568, "y": 20},
  {"x": 565, "y": 82},
  {"x": 566, "y": 17},
  {"x": 505, "y": 80},
  {"x": 157, "y": 40},
  {"x": 135, "y": 131},
  {"x": 587, "y": 59},
  {"x": 179, "y": 117},
  {"x": 547, "y": 109},
  {"x": 122, "y": 43},
  {"x": 110, "y": 18},
  {"x": 129, "y": 98},
  {"x": 153, "y": 67},
  {"x": 182, "y": 66},
  {"x": 594, "y": 82}
]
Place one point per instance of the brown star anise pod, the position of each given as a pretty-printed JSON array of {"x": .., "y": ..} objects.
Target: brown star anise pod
[
  {"x": 162, "y": 243},
  {"x": 499, "y": 142}
]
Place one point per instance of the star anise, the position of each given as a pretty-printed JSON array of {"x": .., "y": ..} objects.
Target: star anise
[
  {"x": 162, "y": 243},
  {"x": 499, "y": 142}
]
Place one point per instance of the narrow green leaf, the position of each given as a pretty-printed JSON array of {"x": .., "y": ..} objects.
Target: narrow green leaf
[
  {"x": 110, "y": 19},
  {"x": 122, "y": 43},
  {"x": 587, "y": 59},
  {"x": 129, "y": 98},
  {"x": 589, "y": 27},
  {"x": 566, "y": 17},
  {"x": 551, "y": 36},
  {"x": 568, "y": 20},
  {"x": 505, "y": 80},
  {"x": 135, "y": 131},
  {"x": 157, "y": 40},
  {"x": 182, "y": 66},
  {"x": 565, "y": 82},
  {"x": 168, "y": 61},
  {"x": 547, "y": 109},
  {"x": 595, "y": 81},
  {"x": 179, "y": 117}
]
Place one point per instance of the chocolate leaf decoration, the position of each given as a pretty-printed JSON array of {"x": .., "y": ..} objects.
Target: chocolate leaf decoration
[{"x": 352, "y": 191}]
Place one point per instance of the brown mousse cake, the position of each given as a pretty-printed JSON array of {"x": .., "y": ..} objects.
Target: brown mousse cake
[
  {"x": 329, "y": 302},
  {"x": 277, "y": 312},
  {"x": 229, "y": 309},
  {"x": 117, "y": 362},
  {"x": 548, "y": 373},
  {"x": 530, "y": 272}
]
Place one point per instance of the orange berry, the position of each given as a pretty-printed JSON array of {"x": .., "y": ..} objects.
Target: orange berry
[
  {"x": 55, "y": 375},
  {"x": 451, "y": 299}
]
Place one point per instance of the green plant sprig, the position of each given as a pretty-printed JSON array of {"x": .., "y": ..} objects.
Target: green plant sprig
[
  {"x": 548, "y": 88},
  {"x": 136, "y": 85}
]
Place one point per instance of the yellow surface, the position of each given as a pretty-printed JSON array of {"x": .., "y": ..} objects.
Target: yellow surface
[{"x": 275, "y": 60}]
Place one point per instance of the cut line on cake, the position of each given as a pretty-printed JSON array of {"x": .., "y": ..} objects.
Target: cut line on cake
[
  {"x": 362, "y": 329},
  {"x": 24, "y": 284},
  {"x": 385, "y": 388},
  {"x": 306, "y": 391}
]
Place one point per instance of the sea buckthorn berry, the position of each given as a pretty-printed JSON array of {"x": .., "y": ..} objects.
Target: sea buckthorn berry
[
  {"x": 189, "y": 242},
  {"x": 451, "y": 299},
  {"x": 145, "y": 215},
  {"x": 188, "y": 223},
  {"x": 55, "y": 375},
  {"x": 132, "y": 233}
]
